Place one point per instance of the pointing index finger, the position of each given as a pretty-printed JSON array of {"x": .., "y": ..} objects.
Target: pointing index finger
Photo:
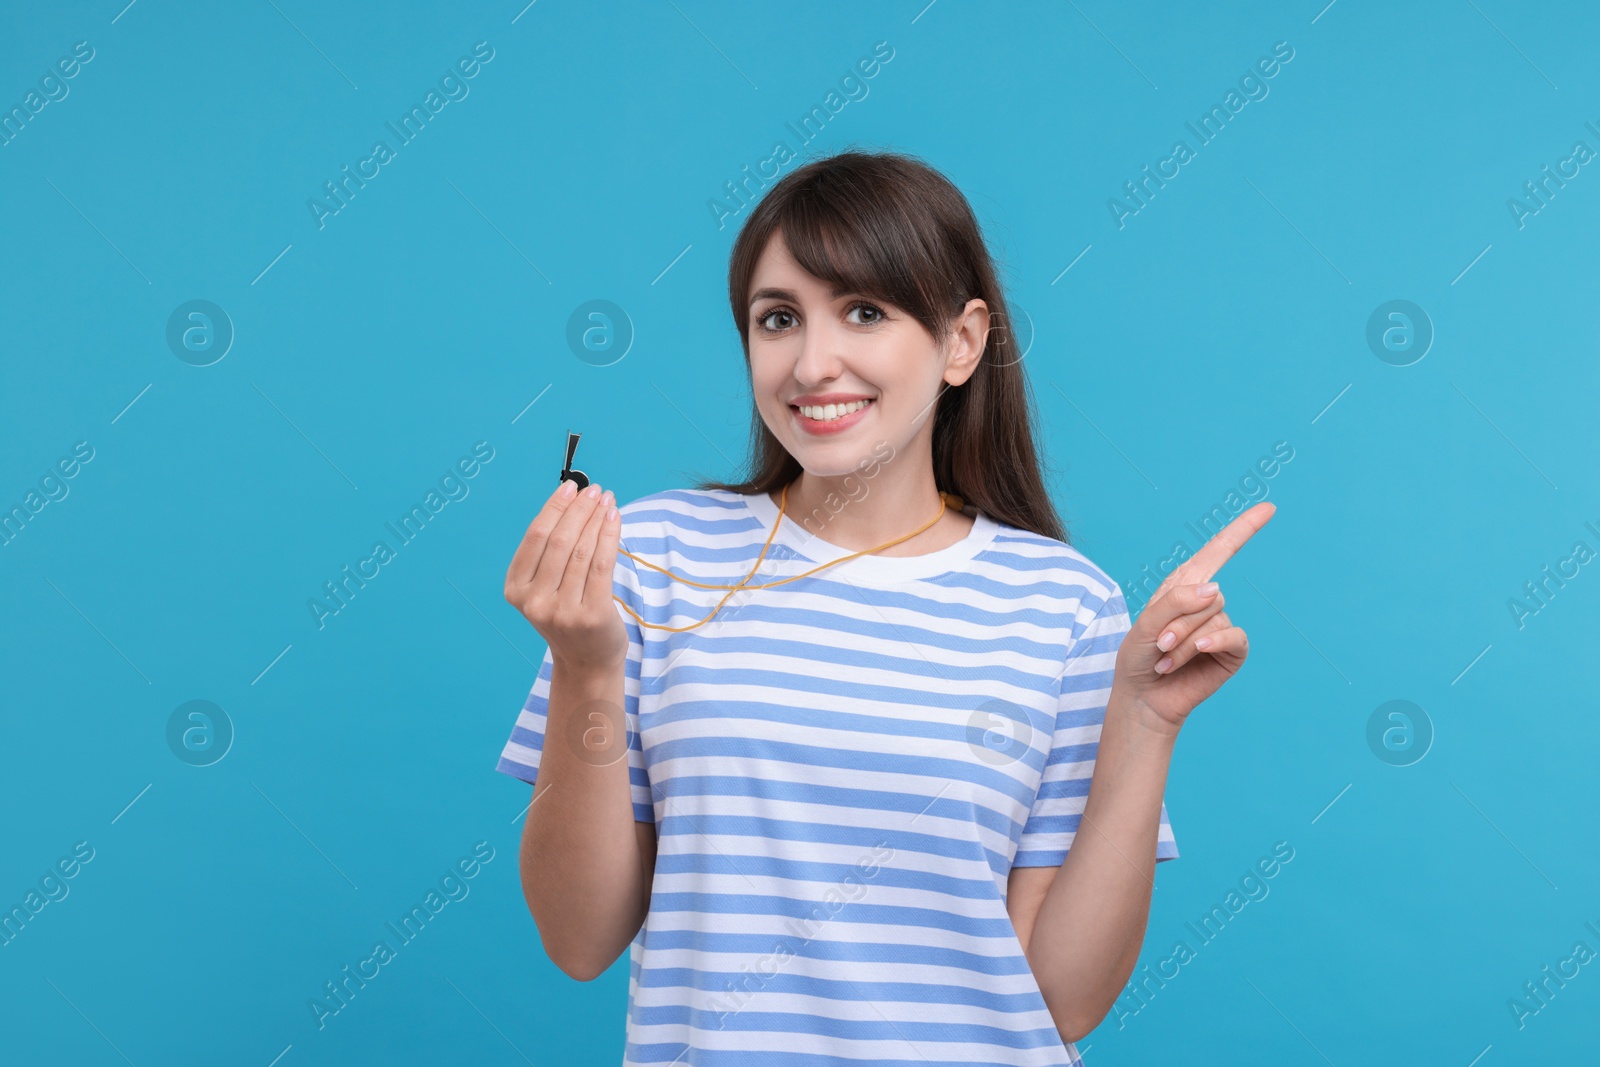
[
  {"x": 1209, "y": 560},
  {"x": 1217, "y": 551}
]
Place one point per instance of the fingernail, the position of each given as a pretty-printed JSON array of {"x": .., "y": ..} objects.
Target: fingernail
[
  {"x": 569, "y": 487},
  {"x": 1166, "y": 640},
  {"x": 592, "y": 492},
  {"x": 1207, "y": 589},
  {"x": 1204, "y": 642},
  {"x": 1165, "y": 665},
  {"x": 606, "y": 500},
  {"x": 611, "y": 516}
]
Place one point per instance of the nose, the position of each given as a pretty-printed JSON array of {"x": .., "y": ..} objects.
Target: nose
[{"x": 821, "y": 356}]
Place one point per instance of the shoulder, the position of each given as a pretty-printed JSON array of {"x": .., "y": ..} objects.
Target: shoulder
[
  {"x": 681, "y": 507},
  {"x": 1078, "y": 585},
  {"x": 671, "y": 518}
]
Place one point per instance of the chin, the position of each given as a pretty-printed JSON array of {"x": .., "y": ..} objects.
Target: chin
[{"x": 842, "y": 461}]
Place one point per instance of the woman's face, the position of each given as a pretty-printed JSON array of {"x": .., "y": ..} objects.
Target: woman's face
[{"x": 835, "y": 374}]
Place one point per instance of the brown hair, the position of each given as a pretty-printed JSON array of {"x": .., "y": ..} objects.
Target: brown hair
[{"x": 888, "y": 226}]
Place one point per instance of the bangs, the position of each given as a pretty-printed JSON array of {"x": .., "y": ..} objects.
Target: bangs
[{"x": 859, "y": 244}]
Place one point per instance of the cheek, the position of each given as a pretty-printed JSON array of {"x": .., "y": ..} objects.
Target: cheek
[{"x": 768, "y": 373}]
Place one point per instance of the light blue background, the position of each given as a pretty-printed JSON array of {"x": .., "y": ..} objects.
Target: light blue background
[{"x": 431, "y": 312}]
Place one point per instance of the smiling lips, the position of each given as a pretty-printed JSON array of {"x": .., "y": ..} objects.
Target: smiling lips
[{"x": 827, "y": 419}]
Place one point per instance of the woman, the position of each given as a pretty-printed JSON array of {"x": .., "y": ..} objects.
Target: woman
[{"x": 857, "y": 707}]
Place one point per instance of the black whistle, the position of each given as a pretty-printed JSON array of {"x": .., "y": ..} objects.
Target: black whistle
[{"x": 566, "y": 470}]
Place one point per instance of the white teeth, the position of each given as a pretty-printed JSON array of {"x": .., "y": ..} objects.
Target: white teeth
[{"x": 829, "y": 412}]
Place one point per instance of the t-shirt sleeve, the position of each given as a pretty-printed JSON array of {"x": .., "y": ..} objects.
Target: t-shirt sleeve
[
  {"x": 520, "y": 757},
  {"x": 1081, "y": 710}
]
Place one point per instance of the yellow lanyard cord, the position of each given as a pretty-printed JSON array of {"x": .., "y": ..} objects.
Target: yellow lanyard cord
[{"x": 947, "y": 500}]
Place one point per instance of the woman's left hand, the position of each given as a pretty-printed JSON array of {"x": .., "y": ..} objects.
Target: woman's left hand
[{"x": 1183, "y": 646}]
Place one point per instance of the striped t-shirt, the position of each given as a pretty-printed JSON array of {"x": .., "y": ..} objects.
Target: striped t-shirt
[{"x": 842, "y": 771}]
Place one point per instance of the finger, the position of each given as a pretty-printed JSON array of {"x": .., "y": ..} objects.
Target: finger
[
  {"x": 1220, "y": 636},
  {"x": 605, "y": 556},
  {"x": 1217, "y": 551},
  {"x": 1186, "y": 573},
  {"x": 1182, "y": 601},
  {"x": 1230, "y": 637},
  {"x": 526, "y": 558},
  {"x": 1230, "y": 645},
  {"x": 1179, "y": 575},
  {"x": 575, "y": 578},
  {"x": 1185, "y": 626},
  {"x": 552, "y": 566},
  {"x": 1174, "y": 577},
  {"x": 1179, "y": 601}
]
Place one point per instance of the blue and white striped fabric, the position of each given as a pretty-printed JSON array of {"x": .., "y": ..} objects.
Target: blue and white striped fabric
[{"x": 842, "y": 771}]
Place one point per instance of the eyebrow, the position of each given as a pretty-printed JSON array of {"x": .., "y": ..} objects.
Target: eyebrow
[{"x": 786, "y": 294}]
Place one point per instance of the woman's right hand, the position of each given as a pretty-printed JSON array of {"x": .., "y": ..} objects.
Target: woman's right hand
[{"x": 560, "y": 577}]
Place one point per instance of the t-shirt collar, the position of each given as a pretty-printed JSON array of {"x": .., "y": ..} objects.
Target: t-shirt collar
[{"x": 869, "y": 569}]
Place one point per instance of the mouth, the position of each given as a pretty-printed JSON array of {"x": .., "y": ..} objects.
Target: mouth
[{"x": 842, "y": 417}]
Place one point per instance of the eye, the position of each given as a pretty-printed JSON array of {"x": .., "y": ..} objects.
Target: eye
[
  {"x": 762, "y": 321},
  {"x": 875, "y": 309}
]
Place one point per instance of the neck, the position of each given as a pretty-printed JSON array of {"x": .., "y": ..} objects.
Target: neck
[{"x": 858, "y": 513}]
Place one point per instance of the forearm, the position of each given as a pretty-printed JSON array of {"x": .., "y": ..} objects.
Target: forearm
[
  {"x": 581, "y": 866},
  {"x": 1091, "y": 924}
]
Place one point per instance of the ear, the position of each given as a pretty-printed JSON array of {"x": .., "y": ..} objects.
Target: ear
[{"x": 969, "y": 335}]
